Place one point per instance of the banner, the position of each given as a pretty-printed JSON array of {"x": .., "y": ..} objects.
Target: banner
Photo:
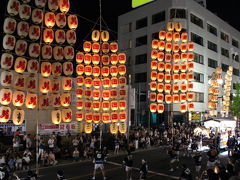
[
  {"x": 136, "y": 3},
  {"x": 9, "y": 128}
]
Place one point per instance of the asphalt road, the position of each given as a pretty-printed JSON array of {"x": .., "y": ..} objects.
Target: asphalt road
[{"x": 157, "y": 159}]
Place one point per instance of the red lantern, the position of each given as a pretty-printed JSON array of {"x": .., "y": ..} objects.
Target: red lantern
[
  {"x": 18, "y": 98},
  {"x": 80, "y": 69},
  {"x": 175, "y": 98},
  {"x": 183, "y": 67},
  {"x": 114, "y": 82},
  {"x": 168, "y": 57},
  {"x": 183, "y": 108},
  {"x": 80, "y": 80},
  {"x": 189, "y": 96},
  {"x": 106, "y": 94},
  {"x": 114, "y": 71},
  {"x": 176, "y": 57},
  {"x": 105, "y": 47},
  {"x": 96, "y": 83},
  {"x": 122, "y": 81},
  {"x": 87, "y": 46},
  {"x": 122, "y": 93},
  {"x": 175, "y": 77},
  {"x": 79, "y": 92},
  {"x": 88, "y": 82},
  {"x": 105, "y": 71},
  {"x": 114, "y": 116},
  {"x": 183, "y": 77},
  {"x": 5, "y": 96},
  {"x": 153, "y": 107},
  {"x": 105, "y": 59},
  {"x": 190, "y": 76},
  {"x": 64, "y": 5},
  {"x": 175, "y": 47},
  {"x": 20, "y": 65},
  {"x": 122, "y": 116},
  {"x": 176, "y": 68},
  {"x": 106, "y": 82},
  {"x": 122, "y": 58},
  {"x": 184, "y": 56},
  {"x": 160, "y": 98},
  {"x": 169, "y": 36},
  {"x": 161, "y": 45},
  {"x": 160, "y": 87},
  {"x": 190, "y": 66},
  {"x": 183, "y": 47},
  {"x": 88, "y": 105},
  {"x": 88, "y": 70},
  {"x": 154, "y": 65},
  {"x": 168, "y": 47},
  {"x": 95, "y": 47},
  {"x": 79, "y": 57},
  {"x": 96, "y": 105},
  {"x": 67, "y": 83},
  {"x": 160, "y": 77},
  {"x": 161, "y": 66},
  {"x": 113, "y": 47},
  {"x": 153, "y": 96},
  {"x": 96, "y": 59},
  {"x": 50, "y": 19},
  {"x": 96, "y": 94},
  {"x": 167, "y": 78},
  {"x": 183, "y": 87},
  {"x": 79, "y": 116},
  {"x": 176, "y": 36},
  {"x": 162, "y": 35},
  {"x": 168, "y": 98},
  {"x": 154, "y": 44},
  {"x": 96, "y": 117},
  {"x": 96, "y": 71},
  {"x": 154, "y": 75},
  {"x": 183, "y": 97},
  {"x": 190, "y": 107},
  {"x": 153, "y": 86},
  {"x": 160, "y": 108},
  {"x": 60, "y": 36},
  {"x": 31, "y": 100},
  {"x": 154, "y": 54},
  {"x": 190, "y": 46},
  {"x": 114, "y": 59},
  {"x": 160, "y": 56},
  {"x": 105, "y": 105},
  {"x": 61, "y": 20},
  {"x": 184, "y": 37},
  {"x": 190, "y": 56},
  {"x": 114, "y": 105},
  {"x": 190, "y": 86},
  {"x": 122, "y": 104},
  {"x": 113, "y": 93},
  {"x": 168, "y": 67},
  {"x": 175, "y": 88},
  {"x": 167, "y": 88},
  {"x": 106, "y": 118},
  {"x": 67, "y": 115}
]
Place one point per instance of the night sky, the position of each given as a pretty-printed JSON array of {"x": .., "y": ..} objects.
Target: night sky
[{"x": 89, "y": 9}]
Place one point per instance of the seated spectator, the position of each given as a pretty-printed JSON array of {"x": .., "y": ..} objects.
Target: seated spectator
[
  {"x": 51, "y": 158},
  {"x": 26, "y": 161},
  {"x": 44, "y": 158},
  {"x": 76, "y": 155}
]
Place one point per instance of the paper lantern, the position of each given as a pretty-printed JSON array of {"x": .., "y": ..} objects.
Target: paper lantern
[
  {"x": 183, "y": 67},
  {"x": 67, "y": 83},
  {"x": 19, "y": 82},
  {"x": 31, "y": 83},
  {"x": 190, "y": 86},
  {"x": 5, "y": 96},
  {"x": 79, "y": 80},
  {"x": 190, "y": 66},
  {"x": 46, "y": 52},
  {"x": 13, "y": 7},
  {"x": 66, "y": 115},
  {"x": 122, "y": 116},
  {"x": 68, "y": 68},
  {"x": 154, "y": 44},
  {"x": 40, "y": 3},
  {"x": 88, "y": 82},
  {"x": 79, "y": 57},
  {"x": 184, "y": 37},
  {"x": 168, "y": 47},
  {"x": 105, "y": 47},
  {"x": 161, "y": 45},
  {"x": 114, "y": 82},
  {"x": 189, "y": 96},
  {"x": 34, "y": 50},
  {"x": 20, "y": 65},
  {"x": 170, "y": 26},
  {"x": 154, "y": 65},
  {"x": 113, "y": 71},
  {"x": 176, "y": 68},
  {"x": 154, "y": 54},
  {"x": 190, "y": 56},
  {"x": 105, "y": 105},
  {"x": 96, "y": 94},
  {"x": 160, "y": 108},
  {"x": 122, "y": 104},
  {"x": 44, "y": 85},
  {"x": 44, "y": 101},
  {"x": 153, "y": 107},
  {"x": 46, "y": 68},
  {"x": 175, "y": 88},
  {"x": 160, "y": 56},
  {"x": 114, "y": 105},
  {"x": 114, "y": 117},
  {"x": 56, "y": 116},
  {"x": 153, "y": 86},
  {"x": 190, "y": 46},
  {"x": 105, "y": 59},
  {"x": 167, "y": 88},
  {"x": 106, "y": 82},
  {"x": 183, "y": 97},
  {"x": 113, "y": 93},
  {"x": 6, "y": 61},
  {"x": 61, "y": 20},
  {"x": 96, "y": 59},
  {"x": 79, "y": 104},
  {"x": 68, "y": 52},
  {"x": 87, "y": 58},
  {"x": 50, "y": 19},
  {"x": 9, "y": 42},
  {"x": 96, "y": 71},
  {"x": 53, "y": 5},
  {"x": 183, "y": 76},
  {"x": 95, "y": 47},
  {"x": 168, "y": 67},
  {"x": 9, "y": 26},
  {"x": 34, "y": 32},
  {"x": 114, "y": 59},
  {"x": 56, "y": 69},
  {"x": 183, "y": 87},
  {"x": 167, "y": 78},
  {"x": 154, "y": 75},
  {"x": 106, "y": 94},
  {"x": 190, "y": 76},
  {"x": 168, "y": 57},
  {"x": 183, "y": 108},
  {"x": 153, "y": 96},
  {"x": 18, "y": 116},
  {"x": 60, "y": 36},
  {"x": 48, "y": 36},
  {"x": 96, "y": 83},
  {"x": 72, "y": 22},
  {"x": 114, "y": 128},
  {"x": 80, "y": 69},
  {"x": 178, "y": 26},
  {"x": 160, "y": 77},
  {"x": 122, "y": 93},
  {"x": 64, "y": 5},
  {"x": 183, "y": 47},
  {"x": 88, "y": 93},
  {"x": 175, "y": 77},
  {"x": 88, "y": 128},
  {"x": 79, "y": 116},
  {"x": 211, "y": 105},
  {"x": 56, "y": 100},
  {"x": 176, "y": 37},
  {"x": 23, "y": 29},
  {"x": 65, "y": 99},
  {"x": 79, "y": 92},
  {"x": 160, "y": 87},
  {"x": 160, "y": 98},
  {"x": 18, "y": 98},
  {"x": 96, "y": 105},
  {"x": 31, "y": 100},
  {"x": 96, "y": 117},
  {"x": 21, "y": 47},
  {"x": 24, "y": 11},
  {"x": 113, "y": 47},
  {"x": 105, "y": 71},
  {"x": 106, "y": 118},
  {"x": 176, "y": 57},
  {"x": 122, "y": 127},
  {"x": 175, "y": 98},
  {"x": 190, "y": 107},
  {"x": 169, "y": 36},
  {"x": 6, "y": 78},
  {"x": 122, "y": 81},
  {"x": 168, "y": 98},
  {"x": 95, "y": 35},
  {"x": 161, "y": 66},
  {"x": 162, "y": 35},
  {"x": 5, "y": 114}
]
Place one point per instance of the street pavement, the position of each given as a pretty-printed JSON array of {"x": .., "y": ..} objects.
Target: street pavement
[{"x": 157, "y": 159}]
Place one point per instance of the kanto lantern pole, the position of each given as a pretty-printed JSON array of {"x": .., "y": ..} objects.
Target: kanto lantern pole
[{"x": 129, "y": 108}]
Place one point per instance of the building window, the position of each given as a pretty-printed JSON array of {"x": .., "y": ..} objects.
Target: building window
[
  {"x": 140, "y": 77},
  {"x": 143, "y": 97},
  {"x": 198, "y": 77},
  {"x": 224, "y": 37},
  {"x": 212, "y": 46},
  {"x": 141, "y": 41},
  {"x": 225, "y": 52},
  {"x": 234, "y": 86},
  {"x": 198, "y": 97},
  {"x": 196, "y": 20},
  {"x": 178, "y": 13},
  {"x": 141, "y": 59},
  {"x": 155, "y": 35},
  {"x": 159, "y": 17},
  {"x": 198, "y": 58},
  {"x": 235, "y": 43},
  {"x": 129, "y": 43},
  {"x": 197, "y": 39},
  {"x": 130, "y": 27},
  {"x": 224, "y": 67},
  {"x": 235, "y": 57},
  {"x": 212, "y": 29},
  {"x": 141, "y": 23},
  {"x": 235, "y": 72},
  {"x": 212, "y": 63}
]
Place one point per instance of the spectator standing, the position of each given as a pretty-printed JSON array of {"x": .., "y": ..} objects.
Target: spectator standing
[
  {"x": 128, "y": 163},
  {"x": 51, "y": 142},
  {"x": 98, "y": 161},
  {"x": 143, "y": 170}
]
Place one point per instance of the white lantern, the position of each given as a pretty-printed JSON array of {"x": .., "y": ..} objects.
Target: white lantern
[
  {"x": 56, "y": 100},
  {"x": 34, "y": 50},
  {"x": 31, "y": 100},
  {"x": 32, "y": 66},
  {"x": 9, "y": 42},
  {"x": 18, "y": 98},
  {"x": 56, "y": 116},
  {"x": 5, "y": 96},
  {"x": 37, "y": 16},
  {"x": 5, "y": 114},
  {"x": 60, "y": 36},
  {"x": 55, "y": 85},
  {"x": 21, "y": 47},
  {"x": 34, "y": 32},
  {"x": 44, "y": 85},
  {"x": 13, "y": 7},
  {"x": 68, "y": 52},
  {"x": 19, "y": 82},
  {"x": 58, "y": 53},
  {"x": 9, "y": 25},
  {"x": 46, "y": 52},
  {"x": 24, "y": 11},
  {"x": 67, "y": 83},
  {"x": 71, "y": 37},
  {"x": 53, "y": 5},
  {"x": 44, "y": 102},
  {"x": 64, "y": 5},
  {"x": 50, "y": 19},
  {"x": 56, "y": 69},
  {"x": 40, "y": 3},
  {"x": 48, "y": 36},
  {"x": 31, "y": 84},
  {"x": 46, "y": 68},
  {"x": 66, "y": 115},
  {"x": 68, "y": 68},
  {"x": 6, "y": 78},
  {"x": 18, "y": 116},
  {"x": 65, "y": 99},
  {"x": 61, "y": 20},
  {"x": 6, "y": 61},
  {"x": 20, "y": 65},
  {"x": 22, "y": 29},
  {"x": 72, "y": 22}
]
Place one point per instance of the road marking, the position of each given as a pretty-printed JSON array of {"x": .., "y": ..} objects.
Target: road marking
[{"x": 151, "y": 172}]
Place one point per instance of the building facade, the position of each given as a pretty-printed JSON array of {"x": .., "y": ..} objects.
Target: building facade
[{"x": 216, "y": 44}]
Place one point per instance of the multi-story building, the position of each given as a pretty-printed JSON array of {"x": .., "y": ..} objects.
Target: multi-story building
[{"x": 216, "y": 44}]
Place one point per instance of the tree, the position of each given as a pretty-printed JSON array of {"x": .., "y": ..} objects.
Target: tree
[{"x": 235, "y": 103}]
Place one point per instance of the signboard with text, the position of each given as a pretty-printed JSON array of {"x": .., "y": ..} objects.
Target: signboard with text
[{"x": 136, "y": 3}]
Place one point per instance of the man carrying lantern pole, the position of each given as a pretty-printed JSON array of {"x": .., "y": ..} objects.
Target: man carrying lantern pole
[{"x": 99, "y": 160}]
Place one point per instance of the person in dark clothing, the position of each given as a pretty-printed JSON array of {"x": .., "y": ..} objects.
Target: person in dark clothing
[
  {"x": 4, "y": 175},
  {"x": 198, "y": 162},
  {"x": 99, "y": 160},
  {"x": 186, "y": 173},
  {"x": 128, "y": 163},
  {"x": 173, "y": 155},
  {"x": 212, "y": 157},
  {"x": 31, "y": 175},
  {"x": 143, "y": 170},
  {"x": 60, "y": 175}
]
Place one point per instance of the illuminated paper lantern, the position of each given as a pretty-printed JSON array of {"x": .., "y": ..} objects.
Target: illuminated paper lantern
[
  {"x": 13, "y": 7},
  {"x": 190, "y": 76},
  {"x": 88, "y": 82},
  {"x": 67, "y": 83},
  {"x": 113, "y": 47},
  {"x": 114, "y": 59},
  {"x": 190, "y": 56},
  {"x": 106, "y": 118},
  {"x": 105, "y": 105},
  {"x": 160, "y": 108},
  {"x": 162, "y": 35},
  {"x": 79, "y": 116},
  {"x": 122, "y": 116},
  {"x": 122, "y": 58},
  {"x": 20, "y": 65},
  {"x": 56, "y": 69},
  {"x": 5, "y": 96},
  {"x": 61, "y": 20},
  {"x": 88, "y": 93},
  {"x": 79, "y": 92},
  {"x": 176, "y": 57},
  {"x": 55, "y": 85},
  {"x": 114, "y": 117},
  {"x": 72, "y": 22},
  {"x": 176, "y": 68},
  {"x": 175, "y": 77},
  {"x": 5, "y": 114},
  {"x": 153, "y": 75},
  {"x": 34, "y": 32},
  {"x": 122, "y": 104},
  {"x": 105, "y": 47},
  {"x": 56, "y": 100},
  {"x": 65, "y": 99},
  {"x": 160, "y": 56},
  {"x": 167, "y": 88},
  {"x": 106, "y": 82},
  {"x": 18, "y": 98},
  {"x": 68, "y": 52},
  {"x": 96, "y": 117},
  {"x": 105, "y": 71},
  {"x": 114, "y": 128},
  {"x": 24, "y": 11},
  {"x": 178, "y": 26},
  {"x": 66, "y": 115},
  {"x": 114, "y": 82},
  {"x": 168, "y": 67},
  {"x": 60, "y": 36},
  {"x": 96, "y": 83},
  {"x": 154, "y": 54},
  {"x": 6, "y": 61},
  {"x": 161, "y": 66},
  {"x": 96, "y": 59},
  {"x": 79, "y": 80},
  {"x": 153, "y": 86},
  {"x": 168, "y": 57},
  {"x": 95, "y": 47},
  {"x": 160, "y": 87},
  {"x": 154, "y": 44},
  {"x": 96, "y": 71},
  {"x": 190, "y": 96},
  {"x": 167, "y": 78},
  {"x": 113, "y": 93},
  {"x": 160, "y": 98},
  {"x": 105, "y": 60},
  {"x": 9, "y": 42},
  {"x": 190, "y": 86},
  {"x": 87, "y": 59},
  {"x": 190, "y": 46},
  {"x": 114, "y": 105},
  {"x": 183, "y": 76},
  {"x": 64, "y": 5},
  {"x": 9, "y": 25},
  {"x": 176, "y": 37},
  {"x": 183, "y": 67},
  {"x": 113, "y": 71},
  {"x": 31, "y": 100},
  {"x": 154, "y": 65},
  {"x": 47, "y": 52},
  {"x": 169, "y": 36},
  {"x": 21, "y": 47},
  {"x": 160, "y": 77},
  {"x": 168, "y": 99},
  {"x": 96, "y": 94},
  {"x": 40, "y": 3},
  {"x": 95, "y": 35},
  {"x": 79, "y": 57},
  {"x": 183, "y": 87},
  {"x": 190, "y": 66},
  {"x": 88, "y": 128},
  {"x": 153, "y": 107},
  {"x": 183, "y": 97},
  {"x": 6, "y": 78},
  {"x": 34, "y": 50},
  {"x": 53, "y": 5},
  {"x": 79, "y": 104},
  {"x": 96, "y": 106},
  {"x": 122, "y": 127},
  {"x": 170, "y": 26},
  {"x": 153, "y": 96},
  {"x": 175, "y": 98},
  {"x": 80, "y": 69},
  {"x": 50, "y": 19},
  {"x": 122, "y": 93},
  {"x": 168, "y": 47},
  {"x": 175, "y": 47},
  {"x": 183, "y": 108},
  {"x": 122, "y": 81},
  {"x": 18, "y": 116},
  {"x": 190, "y": 107},
  {"x": 48, "y": 36},
  {"x": 68, "y": 68},
  {"x": 31, "y": 83},
  {"x": 175, "y": 88},
  {"x": 161, "y": 46},
  {"x": 106, "y": 94},
  {"x": 44, "y": 102},
  {"x": 183, "y": 47},
  {"x": 184, "y": 37},
  {"x": 44, "y": 85},
  {"x": 56, "y": 116},
  {"x": 19, "y": 82},
  {"x": 184, "y": 56},
  {"x": 46, "y": 68},
  {"x": 23, "y": 29}
]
